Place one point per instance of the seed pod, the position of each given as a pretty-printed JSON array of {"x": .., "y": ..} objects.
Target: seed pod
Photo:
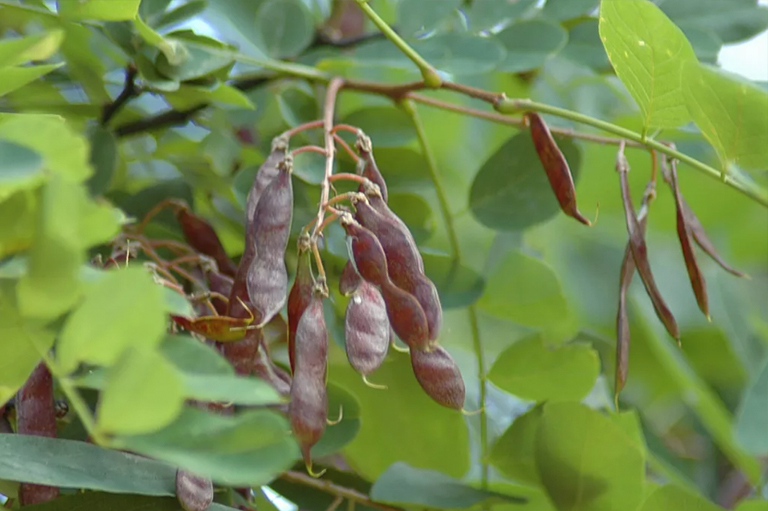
[
  {"x": 216, "y": 328},
  {"x": 35, "y": 415},
  {"x": 308, "y": 408},
  {"x": 202, "y": 237},
  {"x": 242, "y": 354},
  {"x": 366, "y": 329},
  {"x": 439, "y": 376},
  {"x": 640, "y": 251},
  {"x": 349, "y": 280},
  {"x": 300, "y": 295},
  {"x": 556, "y": 166},
  {"x": 221, "y": 284},
  {"x": 265, "y": 368},
  {"x": 404, "y": 262},
  {"x": 265, "y": 175},
  {"x": 625, "y": 279},
  {"x": 195, "y": 493},
  {"x": 405, "y": 314},
  {"x": 698, "y": 284},
  {"x": 367, "y": 165},
  {"x": 267, "y": 277}
]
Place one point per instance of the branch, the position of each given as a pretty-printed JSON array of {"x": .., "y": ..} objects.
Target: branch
[
  {"x": 334, "y": 489},
  {"x": 129, "y": 91}
]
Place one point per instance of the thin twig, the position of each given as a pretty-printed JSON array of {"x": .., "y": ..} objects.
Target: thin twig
[
  {"x": 330, "y": 105},
  {"x": 129, "y": 91},
  {"x": 334, "y": 489}
]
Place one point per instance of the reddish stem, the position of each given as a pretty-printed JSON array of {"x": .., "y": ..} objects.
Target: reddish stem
[
  {"x": 303, "y": 127},
  {"x": 346, "y": 127},
  {"x": 309, "y": 149},
  {"x": 345, "y": 176},
  {"x": 343, "y": 143}
]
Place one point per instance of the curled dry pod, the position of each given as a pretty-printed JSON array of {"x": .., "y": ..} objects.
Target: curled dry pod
[
  {"x": 640, "y": 250},
  {"x": 36, "y": 415},
  {"x": 367, "y": 165},
  {"x": 267, "y": 277},
  {"x": 264, "y": 176},
  {"x": 439, "y": 376},
  {"x": 202, "y": 237},
  {"x": 698, "y": 284},
  {"x": 625, "y": 279},
  {"x": 221, "y": 284},
  {"x": 301, "y": 293},
  {"x": 195, "y": 493},
  {"x": 405, "y": 313},
  {"x": 555, "y": 165},
  {"x": 308, "y": 408},
  {"x": 366, "y": 329},
  {"x": 349, "y": 279},
  {"x": 404, "y": 262}
]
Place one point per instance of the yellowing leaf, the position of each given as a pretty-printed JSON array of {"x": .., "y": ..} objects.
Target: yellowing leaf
[
  {"x": 647, "y": 51},
  {"x": 107, "y": 10},
  {"x": 34, "y": 47}
]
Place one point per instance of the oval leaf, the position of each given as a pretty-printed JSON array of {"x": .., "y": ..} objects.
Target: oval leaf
[{"x": 529, "y": 44}]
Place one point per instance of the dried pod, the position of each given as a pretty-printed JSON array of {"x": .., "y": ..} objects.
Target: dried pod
[
  {"x": 404, "y": 262},
  {"x": 439, "y": 376},
  {"x": 243, "y": 354},
  {"x": 221, "y": 284},
  {"x": 625, "y": 279},
  {"x": 267, "y": 277},
  {"x": 367, "y": 165},
  {"x": 308, "y": 408},
  {"x": 349, "y": 279},
  {"x": 216, "y": 328},
  {"x": 405, "y": 314},
  {"x": 301, "y": 293},
  {"x": 265, "y": 175},
  {"x": 555, "y": 165},
  {"x": 195, "y": 493},
  {"x": 202, "y": 237},
  {"x": 36, "y": 415},
  {"x": 698, "y": 284},
  {"x": 640, "y": 251},
  {"x": 366, "y": 329}
]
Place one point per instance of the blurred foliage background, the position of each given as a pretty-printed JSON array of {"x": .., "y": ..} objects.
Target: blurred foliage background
[{"x": 536, "y": 295}]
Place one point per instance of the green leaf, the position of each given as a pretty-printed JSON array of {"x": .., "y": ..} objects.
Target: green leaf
[
  {"x": 125, "y": 308},
  {"x": 114, "y": 502},
  {"x": 415, "y": 212},
  {"x": 461, "y": 54},
  {"x": 192, "y": 356},
  {"x": 64, "y": 150},
  {"x": 584, "y": 45},
  {"x": 34, "y": 47},
  {"x": 143, "y": 393},
  {"x": 515, "y": 450},
  {"x": 174, "y": 51},
  {"x": 731, "y": 20},
  {"x": 298, "y": 104},
  {"x": 752, "y": 505},
  {"x": 752, "y": 417},
  {"x": 402, "y": 407},
  {"x": 511, "y": 190},
  {"x": 387, "y": 126},
  {"x": 530, "y": 43},
  {"x": 587, "y": 462},
  {"x": 181, "y": 13},
  {"x": 41, "y": 460},
  {"x": 17, "y": 77},
  {"x": 22, "y": 169},
  {"x": 731, "y": 114},
  {"x": 17, "y": 222},
  {"x": 104, "y": 158},
  {"x": 567, "y": 9},
  {"x": 404, "y": 484},
  {"x": 198, "y": 57},
  {"x": 458, "y": 286},
  {"x": 286, "y": 27},
  {"x": 525, "y": 290},
  {"x": 531, "y": 370},
  {"x": 230, "y": 389},
  {"x": 486, "y": 14},
  {"x": 106, "y": 10},
  {"x": 248, "y": 449},
  {"x": 648, "y": 52},
  {"x": 418, "y": 16},
  {"x": 676, "y": 498},
  {"x": 21, "y": 346}
]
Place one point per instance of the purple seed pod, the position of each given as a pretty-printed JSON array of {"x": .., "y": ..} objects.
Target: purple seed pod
[
  {"x": 439, "y": 376},
  {"x": 366, "y": 329}
]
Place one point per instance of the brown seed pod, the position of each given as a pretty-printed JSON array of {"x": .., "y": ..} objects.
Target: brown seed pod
[
  {"x": 265, "y": 175},
  {"x": 404, "y": 262},
  {"x": 267, "y": 277},
  {"x": 555, "y": 165},
  {"x": 202, "y": 237},
  {"x": 439, "y": 376},
  {"x": 367, "y": 165},
  {"x": 308, "y": 408},
  {"x": 301, "y": 293},
  {"x": 195, "y": 493},
  {"x": 36, "y": 415},
  {"x": 640, "y": 250},
  {"x": 701, "y": 238},
  {"x": 405, "y": 314},
  {"x": 366, "y": 329},
  {"x": 349, "y": 279},
  {"x": 242, "y": 354}
]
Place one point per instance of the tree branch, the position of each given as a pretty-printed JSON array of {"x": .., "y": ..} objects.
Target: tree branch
[
  {"x": 129, "y": 91},
  {"x": 334, "y": 489}
]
